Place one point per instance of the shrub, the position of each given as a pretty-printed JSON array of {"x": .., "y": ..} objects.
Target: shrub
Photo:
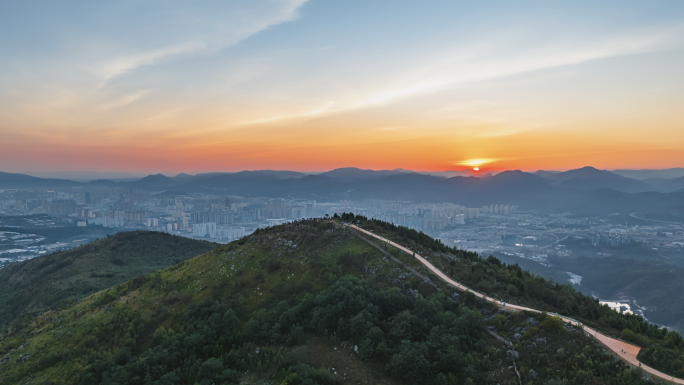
[
  {"x": 637, "y": 339},
  {"x": 499, "y": 320},
  {"x": 552, "y": 324}
]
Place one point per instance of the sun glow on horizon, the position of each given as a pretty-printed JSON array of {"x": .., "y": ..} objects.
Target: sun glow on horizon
[{"x": 474, "y": 162}]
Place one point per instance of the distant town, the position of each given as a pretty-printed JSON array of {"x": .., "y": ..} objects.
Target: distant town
[{"x": 501, "y": 228}]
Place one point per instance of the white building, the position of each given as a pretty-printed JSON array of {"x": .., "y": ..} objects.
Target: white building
[
  {"x": 229, "y": 233},
  {"x": 618, "y": 306},
  {"x": 204, "y": 229}
]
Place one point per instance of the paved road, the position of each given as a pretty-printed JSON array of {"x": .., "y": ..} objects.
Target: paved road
[
  {"x": 557, "y": 240},
  {"x": 627, "y": 352}
]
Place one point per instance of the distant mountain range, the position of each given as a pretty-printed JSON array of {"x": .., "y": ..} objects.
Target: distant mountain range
[
  {"x": 86, "y": 176},
  {"x": 10, "y": 180},
  {"x": 589, "y": 178},
  {"x": 674, "y": 184},
  {"x": 668, "y": 173},
  {"x": 578, "y": 189}
]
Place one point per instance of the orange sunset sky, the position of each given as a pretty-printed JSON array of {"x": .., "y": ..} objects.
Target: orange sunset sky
[{"x": 316, "y": 85}]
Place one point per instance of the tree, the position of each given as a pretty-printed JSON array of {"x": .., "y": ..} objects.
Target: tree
[{"x": 552, "y": 324}]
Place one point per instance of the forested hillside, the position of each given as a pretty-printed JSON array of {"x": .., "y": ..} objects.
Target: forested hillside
[
  {"x": 53, "y": 280},
  {"x": 316, "y": 303},
  {"x": 663, "y": 349}
]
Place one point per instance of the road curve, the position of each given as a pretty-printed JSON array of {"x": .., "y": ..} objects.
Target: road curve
[{"x": 627, "y": 352}]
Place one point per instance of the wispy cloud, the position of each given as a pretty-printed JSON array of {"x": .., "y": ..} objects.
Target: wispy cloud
[
  {"x": 316, "y": 111},
  {"x": 208, "y": 32},
  {"x": 123, "y": 101},
  {"x": 123, "y": 64},
  {"x": 488, "y": 64},
  {"x": 477, "y": 105},
  {"x": 395, "y": 128},
  {"x": 494, "y": 59}
]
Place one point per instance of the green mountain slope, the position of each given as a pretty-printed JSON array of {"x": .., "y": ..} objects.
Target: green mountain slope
[
  {"x": 313, "y": 303},
  {"x": 51, "y": 281}
]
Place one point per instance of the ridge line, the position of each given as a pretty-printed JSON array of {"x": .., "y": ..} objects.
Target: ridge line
[{"x": 630, "y": 351}]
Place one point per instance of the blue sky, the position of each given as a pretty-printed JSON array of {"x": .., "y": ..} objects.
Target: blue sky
[{"x": 211, "y": 78}]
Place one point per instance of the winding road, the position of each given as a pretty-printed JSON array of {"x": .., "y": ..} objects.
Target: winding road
[{"x": 627, "y": 352}]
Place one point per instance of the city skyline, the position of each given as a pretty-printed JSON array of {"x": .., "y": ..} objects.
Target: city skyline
[{"x": 313, "y": 86}]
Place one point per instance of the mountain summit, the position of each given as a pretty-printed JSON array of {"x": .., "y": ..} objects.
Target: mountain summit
[{"x": 590, "y": 178}]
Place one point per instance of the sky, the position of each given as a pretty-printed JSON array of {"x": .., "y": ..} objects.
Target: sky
[{"x": 188, "y": 86}]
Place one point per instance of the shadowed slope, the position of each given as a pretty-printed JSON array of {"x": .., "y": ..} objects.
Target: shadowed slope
[{"x": 57, "y": 279}]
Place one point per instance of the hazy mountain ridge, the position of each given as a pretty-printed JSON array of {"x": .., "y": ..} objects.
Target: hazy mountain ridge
[
  {"x": 546, "y": 190},
  {"x": 589, "y": 178},
  {"x": 357, "y": 173},
  {"x": 666, "y": 185},
  {"x": 12, "y": 180},
  {"x": 668, "y": 173}
]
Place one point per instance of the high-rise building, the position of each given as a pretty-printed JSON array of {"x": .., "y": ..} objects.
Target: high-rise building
[
  {"x": 135, "y": 216},
  {"x": 229, "y": 233},
  {"x": 83, "y": 213},
  {"x": 204, "y": 229}
]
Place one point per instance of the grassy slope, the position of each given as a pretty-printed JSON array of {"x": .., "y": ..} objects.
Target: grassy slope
[
  {"x": 257, "y": 273},
  {"x": 237, "y": 271},
  {"x": 57, "y": 279}
]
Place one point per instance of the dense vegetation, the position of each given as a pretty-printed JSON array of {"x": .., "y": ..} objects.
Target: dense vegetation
[
  {"x": 424, "y": 341},
  {"x": 57, "y": 279},
  {"x": 650, "y": 282},
  {"x": 665, "y": 354},
  {"x": 546, "y": 348},
  {"x": 665, "y": 349},
  {"x": 303, "y": 303},
  {"x": 421, "y": 342}
]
